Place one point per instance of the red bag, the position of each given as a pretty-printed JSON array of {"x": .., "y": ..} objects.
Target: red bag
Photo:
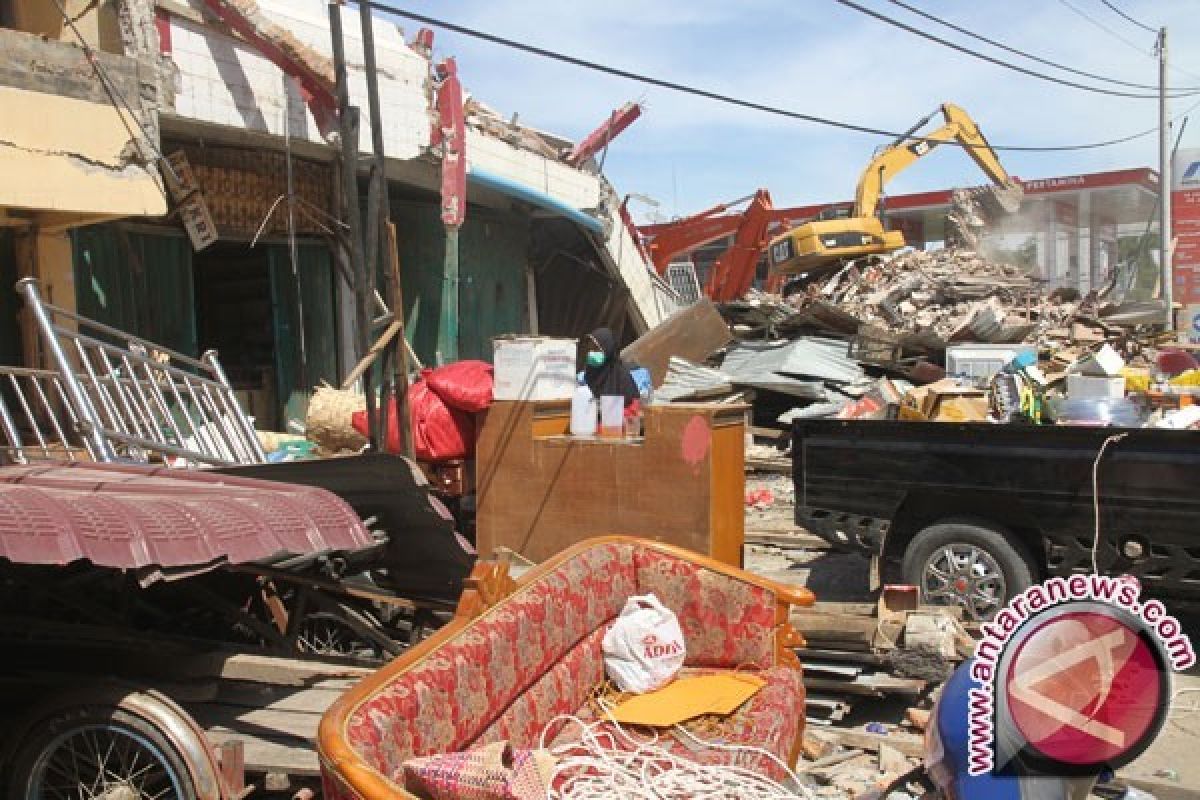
[
  {"x": 465, "y": 385},
  {"x": 440, "y": 433}
]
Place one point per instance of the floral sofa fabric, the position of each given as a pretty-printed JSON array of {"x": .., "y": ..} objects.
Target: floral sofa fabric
[{"x": 535, "y": 654}]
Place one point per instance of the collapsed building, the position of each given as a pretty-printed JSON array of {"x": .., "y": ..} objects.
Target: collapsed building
[{"x": 237, "y": 97}]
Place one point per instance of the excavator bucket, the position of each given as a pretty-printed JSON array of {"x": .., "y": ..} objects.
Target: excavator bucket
[{"x": 999, "y": 200}]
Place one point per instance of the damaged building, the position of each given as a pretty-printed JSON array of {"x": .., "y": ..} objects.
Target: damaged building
[{"x": 236, "y": 99}]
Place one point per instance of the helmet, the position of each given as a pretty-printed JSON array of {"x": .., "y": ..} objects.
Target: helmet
[{"x": 947, "y": 754}]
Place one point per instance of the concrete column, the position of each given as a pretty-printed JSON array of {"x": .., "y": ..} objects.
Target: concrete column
[{"x": 1082, "y": 242}]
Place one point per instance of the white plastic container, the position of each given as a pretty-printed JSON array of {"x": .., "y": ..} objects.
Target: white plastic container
[
  {"x": 533, "y": 368},
  {"x": 1086, "y": 387},
  {"x": 584, "y": 412},
  {"x": 612, "y": 415},
  {"x": 981, "y": 361}
]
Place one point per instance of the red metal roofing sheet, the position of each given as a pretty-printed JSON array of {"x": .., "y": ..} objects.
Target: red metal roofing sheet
[{"x": 133, "y": 517}]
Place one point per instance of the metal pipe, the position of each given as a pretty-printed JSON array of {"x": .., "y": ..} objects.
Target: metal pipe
[
  {"x": 256, "y": 448},
  {"x": 24, "y": 403},
  {"x": 11, "y": 434},
  {"x": 58, "y": 430},
  {"x": 89, "y": 422},
  {"x": 1164, "y": 185}
]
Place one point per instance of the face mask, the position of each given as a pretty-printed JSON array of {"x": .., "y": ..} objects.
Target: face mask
[{"x": 595, "y": 358}]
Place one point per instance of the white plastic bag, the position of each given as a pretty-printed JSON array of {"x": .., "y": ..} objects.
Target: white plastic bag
[{"x": 644, "y": 648}]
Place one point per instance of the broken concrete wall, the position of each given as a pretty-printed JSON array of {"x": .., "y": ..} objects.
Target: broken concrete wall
[
  {"x": 64, "y": 147},
  {"x": 225, "y": 81}
]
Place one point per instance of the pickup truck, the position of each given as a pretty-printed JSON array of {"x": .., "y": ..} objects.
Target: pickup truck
[{"x": 974, "y": 513}]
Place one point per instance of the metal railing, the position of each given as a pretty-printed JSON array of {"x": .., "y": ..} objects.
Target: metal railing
[
  {"x": 40, "y": 425},
  {"x": 128, "y": 399}
]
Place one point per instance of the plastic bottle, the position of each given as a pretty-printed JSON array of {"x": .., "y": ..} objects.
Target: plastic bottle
[{"x": 584, "y": 412}]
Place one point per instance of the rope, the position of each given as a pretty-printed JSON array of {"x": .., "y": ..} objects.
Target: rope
[
  {"x": 608, "y": 762},
  {"x": 1096, "y": 494}
]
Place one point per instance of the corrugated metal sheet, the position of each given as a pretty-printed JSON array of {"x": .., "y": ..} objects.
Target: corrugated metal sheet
[
  {"x": 145, "y": 518},
  {"x": 685, "y": 379}
]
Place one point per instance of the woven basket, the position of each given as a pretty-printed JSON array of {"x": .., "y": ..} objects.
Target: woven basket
[{"x": 328, "y": 420}]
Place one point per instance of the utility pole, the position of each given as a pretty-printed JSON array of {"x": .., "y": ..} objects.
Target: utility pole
[{"x": 1164, "y": 185}]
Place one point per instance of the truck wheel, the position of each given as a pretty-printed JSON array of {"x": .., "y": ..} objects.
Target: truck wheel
[
  {"x": 968, "y": 565},
  {"x": 98, "y": 751}
]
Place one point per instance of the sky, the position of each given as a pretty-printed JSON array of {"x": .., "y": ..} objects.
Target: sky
[{"x": 822, "y": 58}]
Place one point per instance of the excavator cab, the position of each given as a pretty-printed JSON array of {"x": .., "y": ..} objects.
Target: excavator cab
[{"x": 830, "y": 240}]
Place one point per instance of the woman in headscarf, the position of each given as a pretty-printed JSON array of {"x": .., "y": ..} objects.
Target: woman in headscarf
[{"x": 605, "y": 372}]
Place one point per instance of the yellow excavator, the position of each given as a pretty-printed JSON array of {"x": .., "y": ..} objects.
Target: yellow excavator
[{"x": 829, "y": 239}]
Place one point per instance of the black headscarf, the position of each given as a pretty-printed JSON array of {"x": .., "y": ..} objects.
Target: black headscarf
[{"x": 612, "y": 377}]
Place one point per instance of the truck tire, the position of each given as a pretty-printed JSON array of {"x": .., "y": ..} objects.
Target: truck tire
[{"x": 964, "y": 563}]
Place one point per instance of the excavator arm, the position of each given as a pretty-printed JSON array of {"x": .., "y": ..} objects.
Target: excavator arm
[
  {"x": 733, "y": 272},
  {"x": 894, "y": 159},
  {"x": 819, "y": 244},
  {"x": 668, "y": 240}
]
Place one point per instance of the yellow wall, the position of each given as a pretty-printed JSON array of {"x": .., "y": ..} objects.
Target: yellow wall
[
  {"x": 98, "y": 26},
  {"x": 60, "y": 154}
]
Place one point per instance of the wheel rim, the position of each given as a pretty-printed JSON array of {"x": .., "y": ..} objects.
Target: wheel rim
[
  {"x": 325, "y": 635},
  {"x": 967, "y": 576},
  {"x": 103, "y": 762}
]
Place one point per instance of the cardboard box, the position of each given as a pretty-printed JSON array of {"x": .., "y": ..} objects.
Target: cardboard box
[
  {"x": 534, "y": 367},
  {"x": 1083, "y": 387},
  {"x": 945, "y": 401}
]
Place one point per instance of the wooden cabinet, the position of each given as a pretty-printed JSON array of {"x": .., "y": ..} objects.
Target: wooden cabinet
[{"x": 541, "y": 490}]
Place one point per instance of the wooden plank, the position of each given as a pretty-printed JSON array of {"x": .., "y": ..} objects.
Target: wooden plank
[
  {"x": 298, "y": 725},
  {"x": 265, "y": 754},
  {"x": 373, "y": 353},
  {"x": 266, "y": 669},
  {"x": 787, "y": 538},
  {"x": 876, "y": 685},
  {"x": 246, "y": 694},
  {"x": 905, "y": 743},
  {"x": 777, "y": 466}
]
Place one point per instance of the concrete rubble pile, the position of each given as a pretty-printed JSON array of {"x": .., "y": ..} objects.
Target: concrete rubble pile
[{"x": 931, "y": 299}]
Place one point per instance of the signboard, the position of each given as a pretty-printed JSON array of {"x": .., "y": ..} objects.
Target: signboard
[
  {"x": 185, "y": 191},
  {"x": 1185, "y": 226}
]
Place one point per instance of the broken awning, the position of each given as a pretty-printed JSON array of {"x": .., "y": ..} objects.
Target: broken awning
[{"x": 164, "y": 522}]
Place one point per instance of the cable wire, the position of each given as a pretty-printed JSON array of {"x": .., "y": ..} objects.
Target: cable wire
[
  {"x": 1121, "y": 13},
  {"x": 116, "y": 99},
  {"x": 1080, "y": 12},
  {"x": 723, "y": 98},
  {"x": 895, "y": 23},
  {"x": 964, "y": 31}
]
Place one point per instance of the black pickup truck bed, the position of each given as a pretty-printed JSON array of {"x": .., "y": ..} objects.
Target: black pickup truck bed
[{"x": 941, "y": 503}]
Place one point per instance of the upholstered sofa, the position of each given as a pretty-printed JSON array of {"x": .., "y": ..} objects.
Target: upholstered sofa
[{"x": 519, "y": 654}]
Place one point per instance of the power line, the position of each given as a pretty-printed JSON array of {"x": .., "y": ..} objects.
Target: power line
[
  {"x": 115, "y": 97},
  {"x": 1121, "y": 13},
  {"x": 959, "y": 29},
  {"x": 1105, "y": 28},
  {"x": 998, "y": 62},
  {"x": 716, "y": 96}
]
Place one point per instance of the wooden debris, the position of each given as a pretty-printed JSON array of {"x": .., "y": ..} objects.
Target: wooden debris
[
  {"x": 891, "y": 760},
  {"x": 817, "y": 745},
  {"x": 917, "y": 718},
  {"x": 907, "y": 744}
]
